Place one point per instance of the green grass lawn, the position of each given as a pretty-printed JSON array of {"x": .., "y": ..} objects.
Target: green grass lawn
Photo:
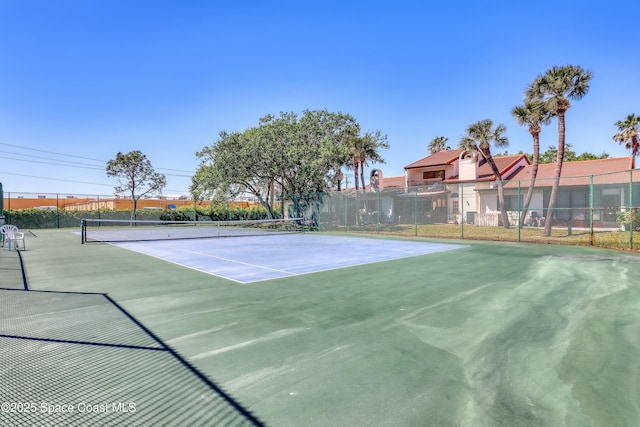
[
  {"x": 494, "y": 334},
  {"x": 561, "y": 236}
]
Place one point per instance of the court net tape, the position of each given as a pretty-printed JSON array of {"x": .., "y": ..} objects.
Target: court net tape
[{"x": 111, "y": 230}]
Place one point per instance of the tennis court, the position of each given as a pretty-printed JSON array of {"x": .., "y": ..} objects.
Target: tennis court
[
  {"x": 254, "y": 258},
  {"x": 486, "y": 334}
]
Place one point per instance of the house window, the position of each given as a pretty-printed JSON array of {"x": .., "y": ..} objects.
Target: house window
[
  {"x": 511, "y": 203},
  {"x": 433, "y": 174},
  {"x": 455, "y": 207}
]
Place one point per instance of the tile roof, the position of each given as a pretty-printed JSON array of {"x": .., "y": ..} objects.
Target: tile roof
[
  {"x": 393, "y": 181},
  {"x": 579, "y": 173},
  {"x": 440, "y": 158},
  {"x": 504, "y": 164},
  {"x": 389, "y": 182}
]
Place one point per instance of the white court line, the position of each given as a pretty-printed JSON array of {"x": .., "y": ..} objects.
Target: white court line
[
  {"x": 164, "y": 258},
  {"x": 176, "y": 263},
  {"x": 257, "y": 277},
  {"x": 338, "y": 267},
  {"x": 233, "y": 261}
]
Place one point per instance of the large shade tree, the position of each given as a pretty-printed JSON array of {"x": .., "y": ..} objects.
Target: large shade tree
[
  {"x": 136, "y": 176},
  {"x": 628, "y": 130},
  {"x": 478, "y": 138},
  {"x": 290, "y": 154},
  {"x": 532, "y": 115},
  {"x": 555, "y": 89}
]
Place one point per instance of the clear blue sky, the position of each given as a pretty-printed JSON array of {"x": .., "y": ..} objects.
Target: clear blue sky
[{"x": 89, "y": 78}]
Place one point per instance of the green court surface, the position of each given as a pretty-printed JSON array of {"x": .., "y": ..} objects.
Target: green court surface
[{"x": 492, "y": 334}]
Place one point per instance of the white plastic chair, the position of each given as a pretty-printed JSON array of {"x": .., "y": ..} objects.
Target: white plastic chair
[{"x": 12, "y": 235}]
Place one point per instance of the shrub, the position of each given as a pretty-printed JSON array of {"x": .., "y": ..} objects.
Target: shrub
[
  {"x": 61, "y": 218},
  {"x": 629, "y": 219}
]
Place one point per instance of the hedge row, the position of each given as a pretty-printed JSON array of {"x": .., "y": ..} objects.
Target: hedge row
[{"x": 41, "y": 218}]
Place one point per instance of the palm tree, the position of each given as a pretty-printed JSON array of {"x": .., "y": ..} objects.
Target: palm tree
[
  {"x": 628, "y": 135},
  {"x": 355, "y": 150},
  {"x": 554, "y": 89},
  {"x": 439, "y": 143},
  {"x": 478, "y": 138},
  {"x": 364, "y": 149},
  {"x": 532, "y": 114}
]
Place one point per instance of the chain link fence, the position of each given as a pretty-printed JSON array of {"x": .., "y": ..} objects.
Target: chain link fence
[{"x": 597, "y": 210}]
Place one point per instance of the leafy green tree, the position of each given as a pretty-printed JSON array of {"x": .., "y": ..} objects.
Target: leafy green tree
[
  {"x": 478, "y": 138},
  {"x": 231, "y": 167},
  {"x": 533, "y": 115},
  {"x": 628, "y": 134},
  {"x": 554, "y": 89},
  {"x": 551, "y": 155},
  {"x": 439, "y": 143},
  {"x": 289, "y": 154},
  {"x": 135, "y": 176},
  {"x": 588, "y": 156}
]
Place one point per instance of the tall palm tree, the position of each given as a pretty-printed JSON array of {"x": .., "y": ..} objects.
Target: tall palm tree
[
  {"x": 439, "y": 143},
  {"x": 370, "y": 146},
  {"x": 355, "y": 150},
  {"x": 628, "y": 135},
  {"x": 478, "y": 138},
  {"x": 365, "y": 150},
  {"x": 554, "y": 89},
  {"x": 534, "y": 115}
]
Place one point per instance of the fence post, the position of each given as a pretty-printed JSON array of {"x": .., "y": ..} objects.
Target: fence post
[
  {"x": 379, "y": 207},
  {"x": 591, "y": 210},
  {"x": 57, "y": 210},
  {"x": 462, "y": 218},
  {"x": 632, "y": 226},
  {"x": 519, "y": 211},
  {"x": 415, "y": 213},
  {"x": 345, "y": 201}
]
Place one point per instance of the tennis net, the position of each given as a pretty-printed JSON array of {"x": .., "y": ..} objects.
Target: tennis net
[{"x": 112, "y": 230}]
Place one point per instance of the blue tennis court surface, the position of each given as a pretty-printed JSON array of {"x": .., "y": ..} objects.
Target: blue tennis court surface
[{"x": 252, "y": 259}]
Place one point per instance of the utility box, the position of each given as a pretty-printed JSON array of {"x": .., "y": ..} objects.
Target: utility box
[{"x": 471, "y": 217}]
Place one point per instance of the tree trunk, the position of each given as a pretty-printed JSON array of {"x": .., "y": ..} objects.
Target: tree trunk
[
  {"x": 281, "y": 201},
  {"x": 266, "y": 205},
  {"x": 271, "y": 193},
  {"x": 556, "y": 181},
  {"x": 135, "y": 205},
  {"x": 356, "y": 167},
  {"x": 534, "y": 174},
  {"x": 503, "y": 209}
]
